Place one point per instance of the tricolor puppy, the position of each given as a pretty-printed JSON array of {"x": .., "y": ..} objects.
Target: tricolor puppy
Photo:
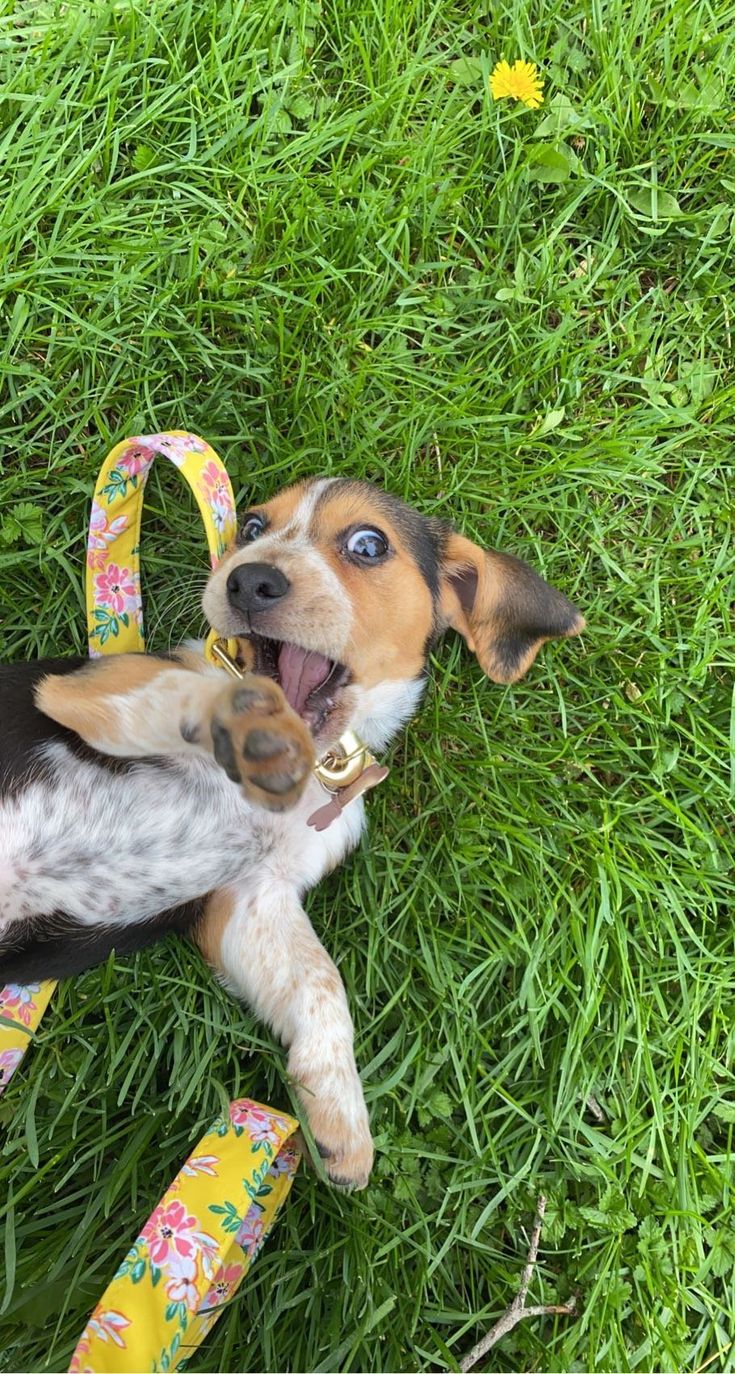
[{"x": 144, "y": 793}]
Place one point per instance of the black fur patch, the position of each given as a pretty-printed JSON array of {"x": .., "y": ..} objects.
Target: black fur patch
[
  {"x": 24, "y": 730},
  {"x": 57, "y": 947},
  {"x": 530, "y": 610}
]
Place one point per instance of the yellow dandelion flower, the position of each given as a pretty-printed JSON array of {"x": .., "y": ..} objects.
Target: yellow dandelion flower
[{"x": 521, "y": 81}]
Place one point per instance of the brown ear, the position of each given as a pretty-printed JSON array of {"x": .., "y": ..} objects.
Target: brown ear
[{"x": 504, "y": 610}]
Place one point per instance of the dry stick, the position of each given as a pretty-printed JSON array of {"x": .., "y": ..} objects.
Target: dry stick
[{"x": 518, "y": 1311}]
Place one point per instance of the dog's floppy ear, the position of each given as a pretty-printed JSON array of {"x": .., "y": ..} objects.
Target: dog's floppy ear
[{"x": 501, "y": 607}]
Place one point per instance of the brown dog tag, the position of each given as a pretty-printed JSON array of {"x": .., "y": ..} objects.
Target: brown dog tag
[{"x": 322, "y": 818}]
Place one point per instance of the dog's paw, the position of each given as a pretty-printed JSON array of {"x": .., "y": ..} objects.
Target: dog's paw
[
  {"x": 338, "y": 1121},
  {"x": 261, "y": 743},
  {"x": 348, "y": 1158}
]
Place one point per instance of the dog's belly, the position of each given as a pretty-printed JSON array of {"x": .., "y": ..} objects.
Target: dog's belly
[{"x": 109, "y": 848}]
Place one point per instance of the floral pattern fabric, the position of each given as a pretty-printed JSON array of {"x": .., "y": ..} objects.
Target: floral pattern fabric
[
  {"x": 195, "y": 1248},
  {"x": 21, "y": 1009},
  {"x": 114, "y": 605}
]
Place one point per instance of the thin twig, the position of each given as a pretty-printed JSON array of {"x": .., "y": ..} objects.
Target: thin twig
[
  {"x": 520, "y": 1297},
  {"x": 517, "y": 1312}
]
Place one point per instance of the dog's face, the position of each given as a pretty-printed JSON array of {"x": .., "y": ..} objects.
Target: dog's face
[{"x": 338, "y": 591}]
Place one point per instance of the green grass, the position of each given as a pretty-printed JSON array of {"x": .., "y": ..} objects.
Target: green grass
[{"x": 301, "y": 231}]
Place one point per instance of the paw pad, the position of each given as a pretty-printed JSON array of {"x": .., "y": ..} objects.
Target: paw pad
[{"x": 262, "y": 745}]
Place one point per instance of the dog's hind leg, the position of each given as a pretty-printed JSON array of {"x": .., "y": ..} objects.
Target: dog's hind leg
[{"x": 264, "y": 947}]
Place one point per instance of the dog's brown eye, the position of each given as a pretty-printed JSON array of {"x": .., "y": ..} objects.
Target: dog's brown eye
[
  {"x": 254, "y": 525},
  {"x": 367, "y": 546}
]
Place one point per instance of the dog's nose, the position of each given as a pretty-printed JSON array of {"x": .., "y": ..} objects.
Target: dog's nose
[{"x": 256, "y": 586}]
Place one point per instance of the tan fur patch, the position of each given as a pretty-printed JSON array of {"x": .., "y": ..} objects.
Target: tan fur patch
[
  {"x": 391, "y": 604},
  {"x": 82, "y": 701},
  {"x": 210, "y": 931},
  {"x": 134, "y": 706},
  {"x": 282, "y": 509}
]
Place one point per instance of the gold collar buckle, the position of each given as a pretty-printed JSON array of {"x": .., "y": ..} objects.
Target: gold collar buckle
[{"x": 343, "y": 765}]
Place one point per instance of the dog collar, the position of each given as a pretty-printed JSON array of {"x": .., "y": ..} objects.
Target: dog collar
[{"x": 346, "y": 772}]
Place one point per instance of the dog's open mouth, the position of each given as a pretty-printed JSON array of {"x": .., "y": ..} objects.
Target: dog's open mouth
[{"x": 309, "y": 681}]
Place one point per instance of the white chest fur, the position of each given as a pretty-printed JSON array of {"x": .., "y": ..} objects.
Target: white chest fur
[{"x": 108, "y": 847}]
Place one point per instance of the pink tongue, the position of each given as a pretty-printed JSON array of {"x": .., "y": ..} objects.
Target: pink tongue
[{"x": 300, "y": 672}]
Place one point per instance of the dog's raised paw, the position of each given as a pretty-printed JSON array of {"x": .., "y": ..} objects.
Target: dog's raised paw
[{"x": 262, "y": 744}]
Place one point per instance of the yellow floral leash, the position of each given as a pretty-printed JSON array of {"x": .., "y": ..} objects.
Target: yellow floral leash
[
  {"x": 195, "y": 1248},
  {"x": 198, "y": 1244}
]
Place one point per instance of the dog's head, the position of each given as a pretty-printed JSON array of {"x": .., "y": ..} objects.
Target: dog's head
[{"x": 338, "y": 591}]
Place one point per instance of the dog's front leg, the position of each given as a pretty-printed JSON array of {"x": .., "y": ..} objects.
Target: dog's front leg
[
  {"x": 265, "y": 948},
  {"x": 139, "y": 706}
]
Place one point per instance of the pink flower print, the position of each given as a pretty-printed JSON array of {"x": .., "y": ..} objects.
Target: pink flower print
[
  {"x": 108, "y": 1325},
  {"x": 177, "y": 447},
  {"x": 115, "y": 588},
  {"x": 250, "y": 1236},
  {"x": 101, "y": 534},
  {"x": 259, "y": 1124},
  {"x": 215, "y": 486},
  {"x": 167, "y": 1234},
  {"x": 225, "y": 1282},
  {"x": 208, "y": 1252},
  {"x": 99, "y": 527},
  {"x": 9, "y": 1061},
  {"x": 181, "y": 1286},
  {"x": 193, "y": 442},
  {"x": 16, "y": 1001},
  {"x": 97, "y": 519},
  {"x": 137, "y": 458},
  {"x": 201, "y": 1164},
  {"x": 76, "y": 1366}
]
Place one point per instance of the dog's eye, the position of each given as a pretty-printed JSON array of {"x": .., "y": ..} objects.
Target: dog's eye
[
  {"x": 367, "y": 546},
  {"x": 254, "y": 526}
]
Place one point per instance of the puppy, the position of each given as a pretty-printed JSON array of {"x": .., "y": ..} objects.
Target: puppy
[{"x": 145, "y": 793}]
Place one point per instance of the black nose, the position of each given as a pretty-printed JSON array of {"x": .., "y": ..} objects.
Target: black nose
[{"x": 256, "y": 586}]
